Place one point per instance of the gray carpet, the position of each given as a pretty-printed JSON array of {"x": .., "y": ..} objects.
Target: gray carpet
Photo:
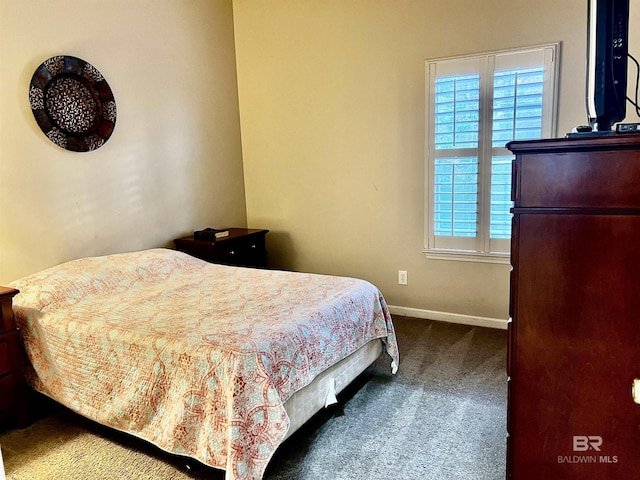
[{"x": 443, "y": 416}]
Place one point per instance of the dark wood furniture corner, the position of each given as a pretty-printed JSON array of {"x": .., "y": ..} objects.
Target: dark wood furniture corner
[
  {"x": 574, "y": 333},
  {"x": 244, "y": 247},
  {"x": 12, "y": 388}
]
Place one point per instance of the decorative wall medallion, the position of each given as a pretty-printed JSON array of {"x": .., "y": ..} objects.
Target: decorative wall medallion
[{"x": 72, "y": 103}]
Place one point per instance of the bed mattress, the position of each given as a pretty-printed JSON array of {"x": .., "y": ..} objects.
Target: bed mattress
[{"x": 322, "y": 391}]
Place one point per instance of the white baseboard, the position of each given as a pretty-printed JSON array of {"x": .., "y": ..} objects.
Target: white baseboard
[{"x": 449, "y": 317}]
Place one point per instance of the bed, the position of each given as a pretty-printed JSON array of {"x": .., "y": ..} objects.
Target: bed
[{"x": 213, "y": 362}]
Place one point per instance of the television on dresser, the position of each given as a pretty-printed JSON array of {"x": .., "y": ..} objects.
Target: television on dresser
[{"x": 607, "y": 50}]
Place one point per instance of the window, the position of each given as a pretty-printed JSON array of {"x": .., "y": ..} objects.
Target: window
[{"x": 475, "y": 106}]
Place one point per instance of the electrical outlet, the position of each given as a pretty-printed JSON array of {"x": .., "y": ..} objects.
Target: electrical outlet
[{"x": 402, "y": 277}]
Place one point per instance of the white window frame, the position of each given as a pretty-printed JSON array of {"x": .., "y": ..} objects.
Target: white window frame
[{"x": 482, "y": 248}]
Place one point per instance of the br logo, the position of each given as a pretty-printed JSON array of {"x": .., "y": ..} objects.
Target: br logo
[{"x": 582, "y": 443}]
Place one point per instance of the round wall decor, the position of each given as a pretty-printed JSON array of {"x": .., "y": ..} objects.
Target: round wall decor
[{"x": 72, "y": 103}]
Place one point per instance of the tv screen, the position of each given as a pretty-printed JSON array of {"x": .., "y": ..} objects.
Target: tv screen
[{"x": 607, "y": 48}]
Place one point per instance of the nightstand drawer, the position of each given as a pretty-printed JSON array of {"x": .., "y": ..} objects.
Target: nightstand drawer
[
  {"x": 6, "y": 317},
  {"x": 242, "y": 247},
  {"x": 12, "y": 389},
  {"x": 7, "y": 392},
  {"x": 5, "y": 358},
  {"x": 228, "y": 254},
  {"x": 244, "y": 251}
]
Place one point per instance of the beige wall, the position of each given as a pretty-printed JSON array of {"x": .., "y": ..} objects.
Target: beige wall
[
  {"x": 332, "y": 118},
  {"x": 174, "y": 161}
]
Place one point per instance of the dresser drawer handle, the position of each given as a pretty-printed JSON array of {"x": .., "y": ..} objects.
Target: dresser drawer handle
[{"x": 635, "y": 390}]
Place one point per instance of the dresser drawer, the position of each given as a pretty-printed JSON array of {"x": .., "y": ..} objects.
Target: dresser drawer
[
  {"x": 579, "y": 180},
  {"x": 7, "y": 392},
  {"x": 577, "y": 173}
]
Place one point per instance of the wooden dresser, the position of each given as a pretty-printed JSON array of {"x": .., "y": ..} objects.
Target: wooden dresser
[
  {"x": 12, "y": 388},
  {"x": 243, "y": 247},
  {"x": 574, "y": 334}
]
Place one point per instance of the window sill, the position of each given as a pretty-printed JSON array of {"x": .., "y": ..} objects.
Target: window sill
[{"x": 464, "y": 256}]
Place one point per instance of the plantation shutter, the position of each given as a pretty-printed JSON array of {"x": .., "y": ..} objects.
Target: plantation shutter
[
  {"x": 455, "y": 104},
  {"x": 476, "y": 105}
]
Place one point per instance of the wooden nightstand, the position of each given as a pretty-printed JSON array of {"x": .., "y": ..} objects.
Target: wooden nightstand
[
  {"x": 12, "y": 388},
  {"x": 243, "y": 247}
]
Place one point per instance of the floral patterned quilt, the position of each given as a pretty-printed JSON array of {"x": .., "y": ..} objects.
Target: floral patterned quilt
[{"x": 194, "y": 357}]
